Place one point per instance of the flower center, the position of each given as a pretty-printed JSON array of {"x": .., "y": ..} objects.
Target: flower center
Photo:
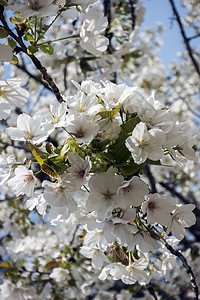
[
  {"x": 59, "y": 190},
  {"x": 28, "y": 135},
  {"x": 108, "y": 195},
  {"x": 28, "y": 178},
  {"x": 127, "y": 189},
  {"x": 152, "y": 206},
  {"x": 80, "y": 133},
  {"x": 80, "y": 174}
]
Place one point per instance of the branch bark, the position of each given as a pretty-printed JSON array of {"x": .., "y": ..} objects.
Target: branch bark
[
  {"x": 186, "y": 40},
  {"x": 34, "y": 59}
]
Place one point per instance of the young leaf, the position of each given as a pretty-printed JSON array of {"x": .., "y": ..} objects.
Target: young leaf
[
  {"x": 28, "y": 37},
  {"x": 12, "y": 43},
  {"x": 14, "y": 60},
  {"x": 39, "y": 155},
  {"x": 48, "y": 49},
  {"x": 49, "y": 170},
  {"x": 32, "y": 49},
  {"x": 3, "y": 33},
  {"x": 109, "y": 113},
  {"x": 15, "y": 20}
]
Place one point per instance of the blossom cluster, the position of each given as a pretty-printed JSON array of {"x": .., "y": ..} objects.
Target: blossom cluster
[
  {"x": 114, "y": 206},
  {"x": 90, "y": 179}
]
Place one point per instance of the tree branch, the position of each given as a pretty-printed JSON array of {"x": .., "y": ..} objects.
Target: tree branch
[
  {"x": 186, "y": 40},
  {"x": 34, "y": 59},
  {"x": 186, "y": 266},
  {"x": 35, "y": 77},
  {"x": 151, "y": 179},
  {"x": 132, "y": 5}
]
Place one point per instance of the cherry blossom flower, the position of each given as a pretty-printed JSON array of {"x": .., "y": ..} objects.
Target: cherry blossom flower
[
  {"x": 11, "y": 94},
  {"x": 154, "y": 115},
  {"x": 81, "y": 128},
  {"x": 84, "y": 3},
  {"x": 143, "y": 241},
  {"x": 103, "y": 192},
  {"x": 23, "y": 182},
  {"x": 145, "y": 143},
  {"x": 97, "y": 255},
  {"x": 6, "y": 164},
  {"x": 60, "y": 274},
  {"x": 88, "y": 87},
  {"x": 93, "y": 23},
  {"x": 82, "y": 103},
  {"x": 28, "y": 129},
  {"x": 79, "y": 169},
  {"x": 128, "y": 274},
  {"x": 108, "y": 129},
  {"x": 60, "y": 197},
  {"x": 182, "y": 217},
  {"x": 95, "y": 238},
  {"x": 158, "y": 209},
  {"x": 38, "y": 8},
  {"x": 113, "y": 94},
  {"x": 133, "y": 192}
]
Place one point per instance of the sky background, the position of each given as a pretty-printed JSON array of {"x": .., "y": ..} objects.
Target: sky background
[{"x": 161, "y": 11}]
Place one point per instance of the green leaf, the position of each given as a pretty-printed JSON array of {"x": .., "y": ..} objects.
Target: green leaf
[
  {"x": 3, "y": 2},
  {"x": 118, "y": 149},
  {"x": 39, "y": 155},
  {"x": 49, "y": 170},
  {"x": 130, "y": 170},
  {"x": 32, "y": 49},
  {"x": 28, "y": 37},
  {"x": 153, "y": 162},
  {"x": 15, "y": 20},
  {"x": 48, "y": 49},
  {"x": 50, "y": 265},
  {"x": 3, "y": 33},
  {"x": 14, "y": 60},
  {"x": 109, "y": 113},
  {"x": 12, "y": 43},
  {"x": 130, "y": 124},
  {"x": 5, "y": 264},
  {"x": 18, "y": 15}
]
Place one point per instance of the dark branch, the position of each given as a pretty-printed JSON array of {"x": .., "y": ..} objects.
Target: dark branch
[
  {"x": 151, "y": 178},
  {"x": 132, "y": 5},
  {"x": 34, "y": 59},
  {"x": 186, "y": 266},
  {"x": 186, "y": 40},
  {"x": 35, "y": 77}
]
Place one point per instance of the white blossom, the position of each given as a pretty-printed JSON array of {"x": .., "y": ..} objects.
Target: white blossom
[
  {"x": 93, "y": 23},
  {"x": 182, "y": 217},
  {"x": 158, "y": 209},
  {"x": 144, "y": 143},
  {"x": 103, "y": 192},
  {"x": 38, "y": 8},
  {"x": 23, "y": 182},
  {"x": 81, "y": 128},
  {"x": 28, "y": 129}
]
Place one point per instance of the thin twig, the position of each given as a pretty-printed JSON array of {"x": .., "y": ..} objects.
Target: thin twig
[
  {"x": 34, "y": 59},
  {"x": 186, "y": 40},
  {"x": 151, "y": 178},
  {"x": 186, "y": 266},
  {"x": 132, "y": 5},
  {"x": 151, "y": 291},
  {"x": 35, "y": 77}
]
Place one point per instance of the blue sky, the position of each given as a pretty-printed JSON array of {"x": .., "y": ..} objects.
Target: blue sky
[{"x": 161, "y": 11}]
